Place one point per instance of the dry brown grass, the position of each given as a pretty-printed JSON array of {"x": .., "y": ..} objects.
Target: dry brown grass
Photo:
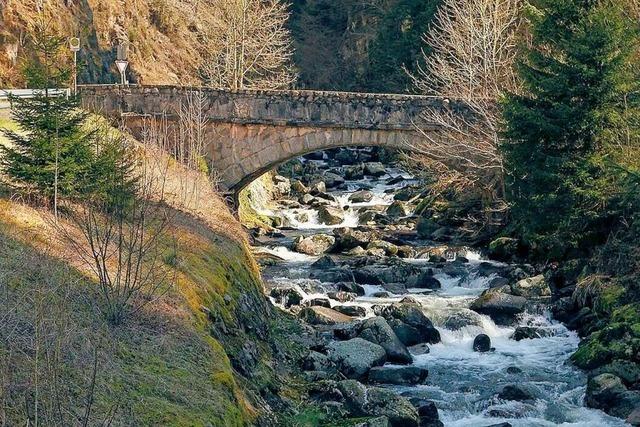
[{"x": 167, "y": 37}]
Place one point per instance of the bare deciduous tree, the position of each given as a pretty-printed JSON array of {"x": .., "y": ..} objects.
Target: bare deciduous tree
[
  {"x": 251, "y": 46},
  {"x": 473, "y": 51}
]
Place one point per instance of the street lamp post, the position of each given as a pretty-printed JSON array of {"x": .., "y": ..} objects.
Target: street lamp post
[
  {"x": 122, "y": 62},
  {"x": 74, "y": 45}
]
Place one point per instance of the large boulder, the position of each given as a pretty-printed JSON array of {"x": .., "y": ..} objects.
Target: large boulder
[
  {"x": 528, "y": 332},
  {"x": 427, "y": 281},
  {"x": 355, "y": 357},
  {"x": 482, "y": 343},
  {"x": 330, "y": 215},
  {"x": 412, "y": 315},
  {"x": 313, "y": 245},
  {"x": 354, "y": 172},
  {"x": 607, "y": 393},
  {"x": 361, "y": 401},
  {"x": 374, "y": 169},
  {"x": 315, "y": 361},
  {"x": 318, "y": 315},
  {"x": 348, "y": 238},
  {"x": 361, "y": 196},
  {"x": 461, "y": 319},
  {"x": 499, "y": 305},
  {"x": 287, "y": 296},
  {"x": 378, "y": 331},
  {"x": 515, "y": 392},
  {"x": 389, "y": 248},
  {"x": 426, "y": 227},
  {"x": 406, "y": 375},
  {"x": 332, "y": 180},
  {"x": 531, "y": 287},
  {"x": 396, "y": 209},
  {"x": 351, "y": 310},
  {"x": 407, "y": 334}
]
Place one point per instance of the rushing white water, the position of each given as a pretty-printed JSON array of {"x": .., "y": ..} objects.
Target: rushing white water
[{"x": 464, "y": 384}]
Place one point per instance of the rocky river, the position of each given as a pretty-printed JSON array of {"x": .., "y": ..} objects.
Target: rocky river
[{"x": 402, "y": 324}]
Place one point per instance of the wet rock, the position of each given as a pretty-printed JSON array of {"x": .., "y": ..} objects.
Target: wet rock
[
  {"x": 378, "y": 331},
  {"x": 408, "y": 335},
  {"x": 389, "y": 249},
  {"x": 354, "y": 172},
  {"x": 373, "y": 401},
  {"x": 306, "y": 199},
  {"x": 607, "y": 393},
  {"x": 514, "y": 370},
  {"x": 367, "y": 277},
  {"x": 407, "y": 375},
  {"x": 332, "y": 180},
  {"x": 302, "y": 217},
  {"x": 331, "y": 275},
  {"x": 323, "y": 316},
  {"x": 376, "y": 253},
  {"x": 319, "y": 302},
  {"x": 528, "y": 332},
  {"x": 374, "y": 169},
  {"x": 318, "y": 187},
  {"x": 461, "y": 319},
  {"x": 355, "y": 357},
  {"x": 419, "y": 349},
  {"x": 413, "y": 316},
  {"x": 634, "y": 417},
  {"x": 427, "y": 281},
  {"x": 315, "y": 361},
  {"x": 500, "y": 306},
  {"x": 324, "y": 263},
  {"x": 286, "y": 296},
  {"x": 346, "y": 331},
  {"x": 396, "y": 210},
  {"x": 299, "y": 187},
  {"x": 381, "y": 294},
  {"x": 482, "y": 343},
  {"x": 405, "y": 194},
  {"x": 351, "y": 287},
  {"x": 531, "y": 287},
  {"x": 351, "y": 310},
  {"x": 368, "y": 216},
  {"x": 355, "y": 252},
  {"x": 498, "y": 282},
  {"x": 500, "y": 425},
  {"x": 342, "y": 296},
  {"x": 348, "y": 238},
  {"x": 325, "y": 196},
  {"x": 329, "y": 215},
  {"x": 425, "y": 227},
  {"x": 361, "y": 196},
  {"x": 427, "y": 411},
  {"x": 313, "y": 245},
  {"x": 406, "y": 251},
  {"x": 395, "y": 288},
  {"x": 282, "y": 186},
  {"x": 515, "y": 392},
  {"x": 626, "y": 370}
]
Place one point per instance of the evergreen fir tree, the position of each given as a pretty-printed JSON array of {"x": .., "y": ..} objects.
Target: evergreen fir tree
[
  {"x": 53, "y": 151},
  {"x": 579, "y": 79}
]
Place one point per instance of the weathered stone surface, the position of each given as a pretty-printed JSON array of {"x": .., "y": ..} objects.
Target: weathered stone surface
[
  {"x": 407, "y": 375},
  {"x": 361, "y": 196},
  {"x": 482, "y": 343},
  {"x": 531, "y": 287},
  {"x": 378, "y": 331},
  {"x": 323, "y": 316},
  {"x": 608, "y": 393},
  {"x": 411, "y": 315},
  {"x": 500, "y": 306},
  {"x": 356, "y": 356},
  {"x": 330, "y": 215},
  {"x": 254, "y": 130},
  {"x": 373, "y": 401},
  {"x": 313, "y": 245},
  {"x": 397, "y": 209}
]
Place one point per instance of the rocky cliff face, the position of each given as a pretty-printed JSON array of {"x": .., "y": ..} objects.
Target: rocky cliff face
[{"x": 166, "y": 38}]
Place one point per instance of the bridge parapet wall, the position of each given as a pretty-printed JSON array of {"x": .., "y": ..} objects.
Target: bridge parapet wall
[{"x": 345, "y": 110}]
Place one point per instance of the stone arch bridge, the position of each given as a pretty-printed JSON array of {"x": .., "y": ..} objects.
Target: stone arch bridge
[{"x": 250, "y": 132}]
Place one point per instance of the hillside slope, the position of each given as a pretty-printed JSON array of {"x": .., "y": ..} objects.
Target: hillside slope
[
  {"x": 166, "y": 38},
  {"x": 200, "y": 355}
]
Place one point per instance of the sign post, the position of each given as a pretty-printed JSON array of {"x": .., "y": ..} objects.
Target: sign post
[
  {"x": 74, "y": 45},
  {"x": 122, "y": 62}
]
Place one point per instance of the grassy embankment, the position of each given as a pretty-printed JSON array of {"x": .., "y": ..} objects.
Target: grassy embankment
[{"x": 172, "y": 363}]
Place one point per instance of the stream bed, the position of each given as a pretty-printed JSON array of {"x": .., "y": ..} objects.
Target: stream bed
[{"x": 467, "y": 386}]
